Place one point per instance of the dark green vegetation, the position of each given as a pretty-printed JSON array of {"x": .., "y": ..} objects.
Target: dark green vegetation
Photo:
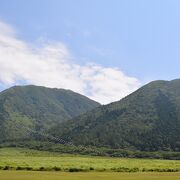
[
  {"x": 24, "y": 108},
  {"x": 146, "y": 120},
  {"x": 33, "y": 160},
  {"x": 93, "y": 151}
]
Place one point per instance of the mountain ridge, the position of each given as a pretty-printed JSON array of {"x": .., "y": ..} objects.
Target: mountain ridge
[
  {"x": 146, "y": 120},
  {"x": 38, "y": 108}
]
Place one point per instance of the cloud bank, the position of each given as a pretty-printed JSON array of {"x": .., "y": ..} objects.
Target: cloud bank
[{"x": 51, "y": 65}]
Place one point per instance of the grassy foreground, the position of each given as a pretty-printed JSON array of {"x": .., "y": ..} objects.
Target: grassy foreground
[
  {"x": 29, "y": 175},
  {"x": 25, "y": 159}
]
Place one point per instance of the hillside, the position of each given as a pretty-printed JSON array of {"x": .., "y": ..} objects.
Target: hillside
[
  {"x": 146, "y": 120},
  {"x": 37, "y": 108}
]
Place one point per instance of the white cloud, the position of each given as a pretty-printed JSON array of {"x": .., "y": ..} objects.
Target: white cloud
[{"x": 51, "y": 65}]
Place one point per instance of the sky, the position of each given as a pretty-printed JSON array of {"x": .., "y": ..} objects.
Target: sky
[{"x": 103, "y": 49}]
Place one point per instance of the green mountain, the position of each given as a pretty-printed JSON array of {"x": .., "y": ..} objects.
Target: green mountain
[
  {"x": 24, "y": 108},
  {"x": 146, "y": 120}
]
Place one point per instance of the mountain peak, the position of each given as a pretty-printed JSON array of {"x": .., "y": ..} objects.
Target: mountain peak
[
  {"x": 39, "y": 108},
  {"x": 147, "y": 120}
]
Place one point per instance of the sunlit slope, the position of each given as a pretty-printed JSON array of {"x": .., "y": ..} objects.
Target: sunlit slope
[{"x": 37, "y": 108}]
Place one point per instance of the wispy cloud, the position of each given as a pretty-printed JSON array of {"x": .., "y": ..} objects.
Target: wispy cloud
[{"x": 51, "y": 65}]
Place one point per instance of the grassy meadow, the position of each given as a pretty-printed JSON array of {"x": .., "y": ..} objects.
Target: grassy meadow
[
  {"x": 29, "y": 175},
  {"x": 33, "y": 160}
]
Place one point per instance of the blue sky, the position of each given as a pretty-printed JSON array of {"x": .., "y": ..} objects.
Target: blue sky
[{"x": 139, "y": 38}]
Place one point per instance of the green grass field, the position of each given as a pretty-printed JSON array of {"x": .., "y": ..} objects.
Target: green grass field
[
  {"x": 29, "y": 175},
  {"x": 24, "y": 159}
]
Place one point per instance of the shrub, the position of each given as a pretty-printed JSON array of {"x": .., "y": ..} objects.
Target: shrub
[
  {"x": 75, "y": 169},
  {"x": 91, "y": 168},
  {"x": 41, "y": 169},
  {"x": 19, "y": 168},
  {"x": 29, "y": 168},
  {"x": 134, "y": 170},
  {"x": 6, "y": 168},
  {"x": 56, "y": 168}
]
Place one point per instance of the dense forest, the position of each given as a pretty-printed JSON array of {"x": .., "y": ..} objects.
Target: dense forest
[{"x": 146, "y": 120}]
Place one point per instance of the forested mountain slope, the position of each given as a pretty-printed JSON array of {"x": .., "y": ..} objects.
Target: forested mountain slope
[
  {"x": 37, "y": 108},
  {"x": 147, "y": 120}
]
